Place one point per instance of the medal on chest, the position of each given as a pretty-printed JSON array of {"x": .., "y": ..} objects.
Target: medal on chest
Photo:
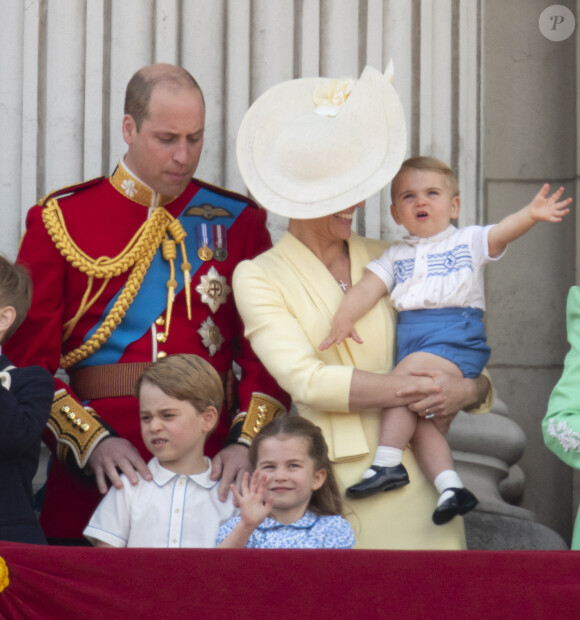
[
  {"x": 204, "y": 250},
  {"x": 213, "y": 289}
]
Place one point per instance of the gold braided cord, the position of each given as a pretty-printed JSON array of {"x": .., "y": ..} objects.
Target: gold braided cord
[
  {"x": 84, "y": 307},
  {"x": 169, "y": 252},
  {"x": 103, "y": 266},
  {"x": 179, "y": 234},
  {"x": 138, "y": 253}
]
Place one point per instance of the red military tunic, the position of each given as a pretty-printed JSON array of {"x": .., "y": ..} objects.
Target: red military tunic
[{"x": 100, "y": 218}]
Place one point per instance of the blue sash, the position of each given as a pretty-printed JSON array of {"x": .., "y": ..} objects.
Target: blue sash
[{"x": 151, "y": 301}]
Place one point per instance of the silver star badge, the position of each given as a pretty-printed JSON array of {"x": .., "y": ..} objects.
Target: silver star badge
[
  {"x": 213, "y": 289},
  {"x": 210, "y": 336}
]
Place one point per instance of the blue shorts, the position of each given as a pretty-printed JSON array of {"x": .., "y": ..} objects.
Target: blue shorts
[{"x": 456, "y": 334}]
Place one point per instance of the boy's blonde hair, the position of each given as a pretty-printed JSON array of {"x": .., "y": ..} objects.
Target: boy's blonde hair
[
  {"x": 186, "y": 377},
  {"x": 425, "y": 163},
  {"x": 15, "y": 291}
]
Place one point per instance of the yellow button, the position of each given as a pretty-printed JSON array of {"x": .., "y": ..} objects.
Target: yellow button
[
  {"x": 161, "y": 355},
  {"x": 160, "y": 321},
  {"x": 161, "y": 337}
]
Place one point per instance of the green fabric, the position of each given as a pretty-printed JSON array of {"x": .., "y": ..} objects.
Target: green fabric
[{"x": 561, "y": 424}]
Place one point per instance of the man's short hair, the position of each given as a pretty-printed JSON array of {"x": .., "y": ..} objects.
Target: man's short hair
[
  {"x": 186, "y": 377},
  {"x": 141, "y": 85},
  {"x": 425, "y": 163},
  {"x": 15, "y": 291}
]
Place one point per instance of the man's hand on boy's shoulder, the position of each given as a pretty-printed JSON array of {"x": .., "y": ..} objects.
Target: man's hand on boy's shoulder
[
  {"x": 115, "y": 454},
  {"x": 230, "y": 465}
]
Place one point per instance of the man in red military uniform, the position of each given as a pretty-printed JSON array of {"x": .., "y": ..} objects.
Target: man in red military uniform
[{"x": 128, "y": 269}]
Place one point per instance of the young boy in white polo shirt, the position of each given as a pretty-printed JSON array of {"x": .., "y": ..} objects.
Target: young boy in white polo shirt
[
  {"x": 180, "y": 398},
  {"x": 435, "y": 281}
]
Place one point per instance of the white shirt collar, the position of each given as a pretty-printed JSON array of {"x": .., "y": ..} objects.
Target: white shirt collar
[
  {"x": 162, "y": 476},
  {"x": 414, "y": 240},
  {"x": 304, "y": 523}
]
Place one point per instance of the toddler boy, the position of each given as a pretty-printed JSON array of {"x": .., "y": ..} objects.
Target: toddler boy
[{"x": 435, "y": 281}]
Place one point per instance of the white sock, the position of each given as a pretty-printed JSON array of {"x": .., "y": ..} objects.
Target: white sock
[
  {"x": 447, "y": 479},
  {"x": 385, "y": 457}
]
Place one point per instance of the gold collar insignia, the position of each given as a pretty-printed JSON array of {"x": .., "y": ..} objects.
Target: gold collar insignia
[{"x": 126, "y": 183}]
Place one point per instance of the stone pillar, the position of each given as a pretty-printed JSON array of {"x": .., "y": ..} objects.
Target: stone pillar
[
  {"x": 529, "y": 107},
  {"x": 486, "y": 450}
]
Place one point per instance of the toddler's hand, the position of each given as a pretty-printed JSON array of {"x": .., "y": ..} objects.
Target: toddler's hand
[
  {"x": 253, "y": 508},
  {"x": 549, "y": 209},
  {"x": 338, "y": 332}
]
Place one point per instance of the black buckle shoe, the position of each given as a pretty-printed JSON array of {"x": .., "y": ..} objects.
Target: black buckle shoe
[
  {"x": 461, "y": 502},
  {"x": 386, "y": 479}
]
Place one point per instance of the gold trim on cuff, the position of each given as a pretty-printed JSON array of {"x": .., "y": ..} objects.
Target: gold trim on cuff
[
  {"x": 74, "y": 427},
  {"x": 262, "y": 410}
]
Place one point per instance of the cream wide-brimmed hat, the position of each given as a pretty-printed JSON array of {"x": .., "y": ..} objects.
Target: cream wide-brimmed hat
[{"x": 311, "y": 147}]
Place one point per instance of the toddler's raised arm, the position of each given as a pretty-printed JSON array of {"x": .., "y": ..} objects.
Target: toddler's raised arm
[{"x": 541, "y": 209}]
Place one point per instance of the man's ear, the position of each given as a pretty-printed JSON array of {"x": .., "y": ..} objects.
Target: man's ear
[
  {"x": 210, "y": 419},
  {"x": 129, "y": 129},
  {"x": 7, "y": 317}
]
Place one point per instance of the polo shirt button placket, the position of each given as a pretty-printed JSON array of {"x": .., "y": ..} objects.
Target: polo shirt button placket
[{"x": 176, "y": 510}]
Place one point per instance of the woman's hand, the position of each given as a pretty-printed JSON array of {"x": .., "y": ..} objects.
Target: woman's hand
[{"x": 454, "y": 394}]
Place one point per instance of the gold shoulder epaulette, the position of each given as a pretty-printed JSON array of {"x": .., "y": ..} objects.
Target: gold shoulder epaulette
[{"x": 69, "y": 189}]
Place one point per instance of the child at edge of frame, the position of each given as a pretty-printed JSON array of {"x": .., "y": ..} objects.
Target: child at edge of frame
[{"x": 26, "y": 395}]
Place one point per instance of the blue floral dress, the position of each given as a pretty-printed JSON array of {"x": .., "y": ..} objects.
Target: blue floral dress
[{"x": 312, "y": 531}]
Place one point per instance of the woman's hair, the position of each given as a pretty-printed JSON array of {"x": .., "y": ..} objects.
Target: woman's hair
[
  {"x": 326, "y": 500},
  {"x": 185, "y": 377}
]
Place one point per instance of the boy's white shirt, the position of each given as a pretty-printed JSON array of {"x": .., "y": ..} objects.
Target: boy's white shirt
[
  {"x": 171, "y": 511},
  {"x": 460, "y": 287}
]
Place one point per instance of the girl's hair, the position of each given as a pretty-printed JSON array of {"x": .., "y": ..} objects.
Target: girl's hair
[{"x": 326, "y": 500}]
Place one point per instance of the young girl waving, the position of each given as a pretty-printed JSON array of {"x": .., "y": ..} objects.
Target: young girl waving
[{"x": 292, "y": 499}]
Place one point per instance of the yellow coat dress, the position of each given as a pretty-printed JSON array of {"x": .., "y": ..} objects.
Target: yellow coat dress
[{"x": 287, "y": 299}]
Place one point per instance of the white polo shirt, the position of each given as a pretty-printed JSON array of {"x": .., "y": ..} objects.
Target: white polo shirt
[
  {"x": 171, "y": 511},
  {"x": 443, "y": 271}
]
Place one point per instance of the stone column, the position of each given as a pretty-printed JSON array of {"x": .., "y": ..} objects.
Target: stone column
[
  {"x": 486, "y": 451},
  {"x": 529, "y": 105}
]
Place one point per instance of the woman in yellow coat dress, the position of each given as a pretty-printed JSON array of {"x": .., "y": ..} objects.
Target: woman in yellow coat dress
[{"x": 304, "y": 156}]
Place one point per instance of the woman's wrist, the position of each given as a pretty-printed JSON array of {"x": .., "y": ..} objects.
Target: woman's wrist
[{"x": 477, "y": 390}]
